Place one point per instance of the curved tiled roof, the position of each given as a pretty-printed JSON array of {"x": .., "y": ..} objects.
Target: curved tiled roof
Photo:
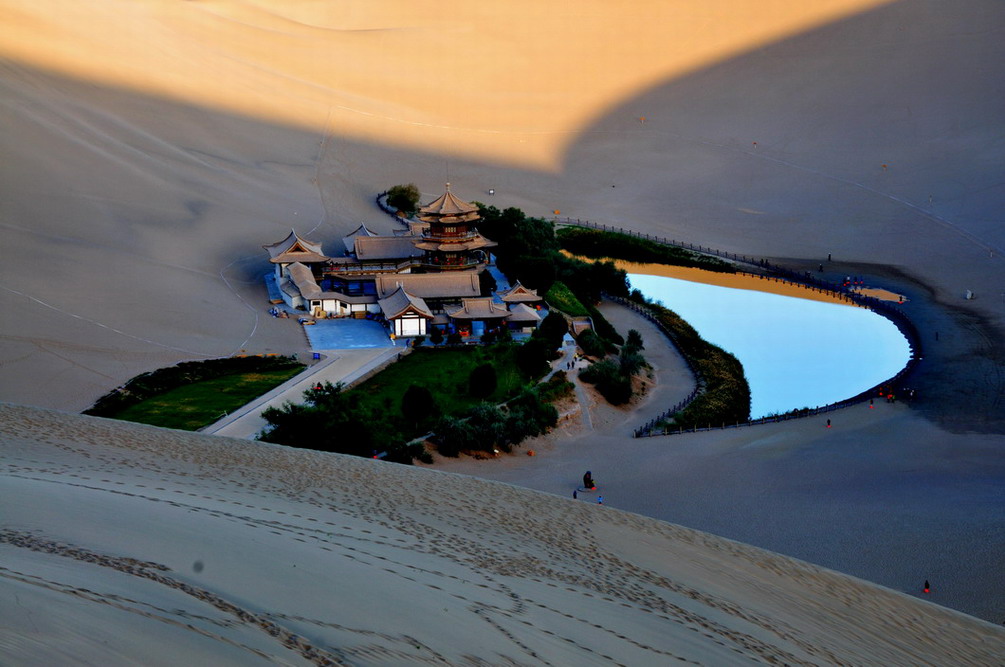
[
  {"x": 386, "y": 247},
  {"x": 350, "y": 239},
  {"x": 448, "y": 204},
  {"x": 454, "y": 284},
  {"x": 295, "y": 249},
  {"x": 478, "y": 309},
  {"x": 399, "y": 302},
  {"x": 519, "y": 294},
  {"x": 521, "y": 312}
]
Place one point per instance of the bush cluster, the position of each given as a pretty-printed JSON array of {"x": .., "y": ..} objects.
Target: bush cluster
[
  {"x": 612, "y": 384},
  {"x": 488, "y": 428},
  {"x": 332, "y": 420},
  {"x": 613, "y": 376},
  {"x": 596, "y": 243},
  {"x": 591, "y": 344},
  {"x": 405, "y": 198}
]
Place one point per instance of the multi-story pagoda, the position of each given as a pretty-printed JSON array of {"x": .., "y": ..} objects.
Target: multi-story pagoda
[{"x": 451, "y": 242}]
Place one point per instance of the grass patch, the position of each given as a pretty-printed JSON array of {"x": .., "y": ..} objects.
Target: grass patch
[
  {"x": 445, "y": 373},
  {"x": 192, "y": 406},
  {"x": 561, "y": 298}
]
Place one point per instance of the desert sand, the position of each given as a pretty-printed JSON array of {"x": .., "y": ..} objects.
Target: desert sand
[
  {"x": 225, "y": 551},
  {"x": 151, "y": 148}
]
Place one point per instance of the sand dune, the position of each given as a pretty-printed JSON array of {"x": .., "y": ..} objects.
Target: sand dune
[
  {"x": 151, "y": 148},
  {"x": 134, "y": 544}
]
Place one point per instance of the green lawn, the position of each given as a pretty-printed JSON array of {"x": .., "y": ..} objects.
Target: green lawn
[
  {"x": 445, "y": 373},
  {"x": 192, "y": 406},
  {"x": 561, "y": 298}
]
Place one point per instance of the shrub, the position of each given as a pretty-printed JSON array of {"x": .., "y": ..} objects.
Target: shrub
[
  {"x": 405, "y": 198},
  {"x": 634, "y": 340},
  {"x": 453, "y": 435},
  {"x": 553, "y": 329},
  {"x": 417, "y": 405},
  {"x": 557, "y": 386},
  {"x": 606, "y": 376},
  {"x": 591, "y": 344},
  {"x": 436, "y": 336},
  {"x": 329, "y": 420},
  {"x": 596, "y": 243},
  {"x": 454, "y": 339},
  {"x": 532, "y": 357},
  {"x": 630, "y": 361},
  {"x": 488, "y": 423},
  {"x": 482, "y": 381}
]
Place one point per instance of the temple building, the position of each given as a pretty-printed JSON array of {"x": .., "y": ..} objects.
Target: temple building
[
  {"x": 451, "y": 242},
  {"x": 416, "y": 279}
]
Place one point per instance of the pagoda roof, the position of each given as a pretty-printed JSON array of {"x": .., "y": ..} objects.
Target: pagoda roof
[
  {"x": 448, "y": 204},
  {"x": 295, "y": 248},
  {"x": 451, "y": 284},
  {"x": 400, "y": 302},
  {"x": 478, "y": 309},
  {"x": 386, "y": 247},
  {"x": 350, "y": 239},
  {"x": 473, "y": 243},
  {"x": 519, "y": 294},
  {"x": 521, "y": 312}
]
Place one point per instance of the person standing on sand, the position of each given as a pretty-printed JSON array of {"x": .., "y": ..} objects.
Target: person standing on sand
[{"x": 588, "y": 481}]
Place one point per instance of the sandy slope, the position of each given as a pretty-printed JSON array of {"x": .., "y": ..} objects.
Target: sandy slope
[
  {"x": 150, "y": 148},
  {"x": 126, "y": 543}
]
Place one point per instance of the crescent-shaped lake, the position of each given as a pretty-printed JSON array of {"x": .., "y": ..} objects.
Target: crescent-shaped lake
[{"x": 796, "y": 353}]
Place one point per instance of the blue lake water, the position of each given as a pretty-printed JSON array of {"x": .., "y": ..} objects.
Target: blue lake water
[{"x": 795, "y": 352}]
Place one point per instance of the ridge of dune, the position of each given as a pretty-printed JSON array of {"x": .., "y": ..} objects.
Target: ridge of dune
[
  {"x": 130, "y": 543},
  {"x": 441, "y": 78}
]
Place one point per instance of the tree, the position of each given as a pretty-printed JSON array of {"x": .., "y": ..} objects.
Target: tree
[
  {"x": 482, "y": 382},
  {"x": 553, "y": 329},
  {"x": 405, "y": 198},
  {"x": 489, "y": 424},
  {"x": 631, "y": 361},
  {"x": 591, "y": 344},
  {"x": 634, "y": 340},
  {"x": 329, "y": 420},
  {"x": 532, "y": 357},
  {"x": 436, "y": 336},
  {"x": 606, "y": 375},
  {"x": 417, "y": 405},
  {"x": 453, "y": 435}
]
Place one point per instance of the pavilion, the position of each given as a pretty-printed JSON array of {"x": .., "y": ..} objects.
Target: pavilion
[{"x": 416, "y": 279}]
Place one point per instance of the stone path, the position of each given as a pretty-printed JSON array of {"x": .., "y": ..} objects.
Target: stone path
[{"x": 346, "y": 366}]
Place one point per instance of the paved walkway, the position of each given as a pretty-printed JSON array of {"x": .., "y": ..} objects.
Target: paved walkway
[
  {"x": 563, "y": 364},
  {"x": 346, "y": 366}
]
